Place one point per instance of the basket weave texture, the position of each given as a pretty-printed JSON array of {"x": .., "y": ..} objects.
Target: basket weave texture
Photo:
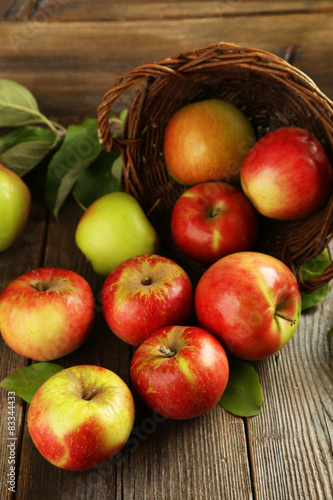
[{"x": 269, "y": 90}]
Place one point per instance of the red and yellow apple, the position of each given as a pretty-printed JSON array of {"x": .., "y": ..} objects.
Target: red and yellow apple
[
  {"x": 81, "y": 417},
  {"x": 251, "y": 302},
  {"x": 180, "y": 372},
  {"x": 46, "y": 313},
  {"x": 146, "y": 293},
  {"x": 211, "y": 220},
  {"x": 207, "y": 141},
  {"x": 287, "y": 174},
  {"x": 15, "y": 203}
]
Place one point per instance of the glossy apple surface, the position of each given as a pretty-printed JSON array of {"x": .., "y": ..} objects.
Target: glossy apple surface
[
  {"x": 46, "y": 313},
  {"x": 251, "y": 302},
  {"x": 81, "y": 417},
  {"x": 114, "y": 228},
  {"x": 287, "y": 174},
  {"x": 211, "y": 220},
  {"x": 207, "y": 141},
  {"x": 146, "y": 293},
  {"x": 180, "y": 372},
  {"x": 15, "y": 203}
]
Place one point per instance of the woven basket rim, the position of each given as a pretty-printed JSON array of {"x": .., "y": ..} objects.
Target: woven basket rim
[{"x": 199, "y": 65}]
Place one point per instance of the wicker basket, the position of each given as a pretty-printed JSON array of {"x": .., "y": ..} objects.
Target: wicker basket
[{"x": 270, "y": 91}]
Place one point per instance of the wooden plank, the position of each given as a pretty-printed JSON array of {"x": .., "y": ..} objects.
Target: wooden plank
[
  {"x": 291, "y": 440},
  {"x": 55, "y": 58},
  {"x": 82, "y": 10},
  {"x": 25, "y": 254}
]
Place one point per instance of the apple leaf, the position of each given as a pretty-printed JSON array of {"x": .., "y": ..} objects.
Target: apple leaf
[
  {"x": 17, "y": 105},
  {"x": 103, "y": 176},
  {"x": 25, "y": 381},
  {"x": 80, "y": 148},
  {"x": 242, "y": 396},
  {"x": 312, "y": 269},
  {"x": 24, "y": 148}
]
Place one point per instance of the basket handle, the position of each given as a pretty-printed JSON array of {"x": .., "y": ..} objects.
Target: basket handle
[{"x": 122, "y": 84}]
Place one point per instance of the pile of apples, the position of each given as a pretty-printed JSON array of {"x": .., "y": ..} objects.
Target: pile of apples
[{"x": 246, "y": 304}]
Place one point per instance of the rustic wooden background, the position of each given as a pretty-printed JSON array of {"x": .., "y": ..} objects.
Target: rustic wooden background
[{"x": 68, "y": 53}]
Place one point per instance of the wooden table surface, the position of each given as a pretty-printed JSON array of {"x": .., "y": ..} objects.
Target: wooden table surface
[{"x": 68, "y": 53}]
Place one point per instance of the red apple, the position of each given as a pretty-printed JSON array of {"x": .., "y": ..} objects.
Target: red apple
[
  {"x": 211, "y": 220},
  {"x": 287, "y": 174},
  {"x": 46, "y": 313},
  {"x": 251, "y": 302},
  {"x": 180, "y": 372},
  {"x": 145, "y": 293},
  {"x": 81, "y": 417},
  {"x": 207, "y": 141}
]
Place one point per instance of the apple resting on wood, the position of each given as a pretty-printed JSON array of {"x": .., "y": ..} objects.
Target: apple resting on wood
[
  {"x": 207, "y": 141},
  {"x": 251, "y": 302},
  {"x": 114, "y": 228},
  {"x": 46, "y": 313},
  {"x": 287, "y": 174},
  {"x": 211, "y": 220},
  {"x": 144, "y": 294},
  {"x": 15, "y": 203},
  {"x": 180, "y": 372},
  {"x": 81, "y": 417}
]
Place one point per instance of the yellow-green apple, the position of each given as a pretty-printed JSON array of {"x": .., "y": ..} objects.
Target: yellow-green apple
[
  {"x": 211, "y": 220},
  {"x": 207, "y": 141},
  {"x": 81, "y": 417},
  {"x": 251, "y": 302},
  {"x": 145, "y": 293},
  {"x": 46, "y": 313},
  {"x": 114, "y": 228},
  {"x": 287, "y": 174},
  {"x": 180, "y": 372},
  {"x": 15, "y": 203}
]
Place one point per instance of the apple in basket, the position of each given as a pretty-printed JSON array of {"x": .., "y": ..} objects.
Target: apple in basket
[
  {"x": 287, "y": 174},
  {"x": 207, "y": 141},
  {"x": 211, "y": 220},
  {"x": 15, "y": 203},
  {"x": 46, "y": 313},
  {"x": 145, "y": 293},
  {"x": 251, "y": 302},
  {"x": 81, "y": 417}
]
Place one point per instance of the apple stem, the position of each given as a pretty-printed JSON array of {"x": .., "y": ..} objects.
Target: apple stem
[
  {"x": 292, "y": 321},
  {"x": 166, "y": 351},
  {"x": 216, "y": 211},
  {"x": 146, "y": 281},
  {"x": 90, "y": 394},
  {"x": 38, "y": 286}
]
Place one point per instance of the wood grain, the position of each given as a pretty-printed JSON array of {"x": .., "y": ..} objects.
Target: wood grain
[
  {"x": 81, "y": 10},
  {"x": 53, "y": 59},
  {"x": 291, "y": 441}
]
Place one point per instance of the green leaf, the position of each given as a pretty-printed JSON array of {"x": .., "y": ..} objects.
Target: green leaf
[
  {"x": 23, "y": 149},
  {"x": 103, "y": 176},
  {"x": 330, "y": 331},
  {"x": 242, "y": 396},
  {"x": 17, "y": 105},
  {"x": 312, "y": 269},
  {"x": 80, "y": 148},
  {"x": 25, "y": 381}
]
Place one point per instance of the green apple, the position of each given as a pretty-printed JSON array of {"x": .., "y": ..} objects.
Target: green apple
[
  {"x": 15, "y": 203},
  {"x": 113, "y": 229}
]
